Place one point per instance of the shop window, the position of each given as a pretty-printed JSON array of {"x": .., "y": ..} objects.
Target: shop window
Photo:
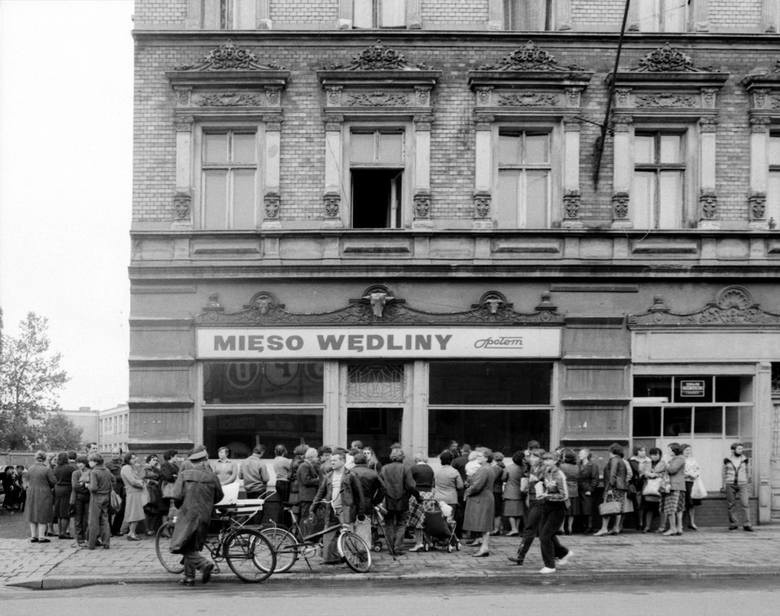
[
  {"x": 647, "y": 421},
  {"x": 653, "y": 387},
  {"x": 377, "y": 428},
  {"x": 229, "y": 179},
  {"x": 534, "y": 15},
  {"x": 524, "y": 175},
  {"x": 377, "y": 164},
  {"x": 484, "y": 383},
  {"x": 773, "y": 183},
  {"x": 379, "y": 13},
  {"x": 677, "y": 421},
  {"x": 657, "y": 194},
  {"x": 262, "y": 382},
  {"x": 663, "y": 15},
  {"x": 708, "y": 420}
]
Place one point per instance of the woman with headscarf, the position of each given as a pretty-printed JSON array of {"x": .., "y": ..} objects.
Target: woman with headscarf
[
  {"x": 480, "y": 506},
  {"x": 39, "y": 504},
  {"x": 134, "y": 496}
]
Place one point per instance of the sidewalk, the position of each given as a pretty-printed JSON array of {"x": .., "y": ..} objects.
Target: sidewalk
[{"x": 709, "y": 552}]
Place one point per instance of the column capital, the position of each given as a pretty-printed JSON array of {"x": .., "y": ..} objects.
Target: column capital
[
  {"x": 759, "y": 124},
  {"x": 621, "y": 123},
  {"x": 483, "y": 121},
  {"x": 273, "y": 121},
  {"x": 708, "y": 124},
  {"x": 183, "y": 123},
  {"x": 423, "y": 121},
  {"x": 572, "y": 124},
  {"x": 334, "y": 122}
]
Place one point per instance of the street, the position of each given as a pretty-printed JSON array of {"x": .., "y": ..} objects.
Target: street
[{"x": 707, "y": 597}]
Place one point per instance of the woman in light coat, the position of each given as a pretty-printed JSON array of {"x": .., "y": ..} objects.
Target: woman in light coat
[
  {"x": 480, "y": 506},
  {"x": 134, "y": 496}
]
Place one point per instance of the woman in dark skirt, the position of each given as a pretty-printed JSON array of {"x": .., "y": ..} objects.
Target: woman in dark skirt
[
  {"x": 587, "y": 483},
  {"x": 515, "y": 491},
  {"x": 63, "y": 472}
]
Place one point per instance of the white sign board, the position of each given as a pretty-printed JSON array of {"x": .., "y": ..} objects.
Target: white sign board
[{"x": 372, "y": 342}]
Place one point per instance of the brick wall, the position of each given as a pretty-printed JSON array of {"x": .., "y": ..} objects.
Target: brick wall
[
  {"x": 170, "y": 13},
  {"x": 731, "y": 16},
  {"x": 302, "y": 13},
  {"x": 452, "y": 137},
  {"x": 597, "y": 15}
]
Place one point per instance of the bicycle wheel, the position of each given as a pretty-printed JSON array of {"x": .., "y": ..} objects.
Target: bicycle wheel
[
  {"x": 162, "y": 539},
  {"x": 285, "y": 547},
  {"x": 354, "y": 551},
  {"x": 249, "y": 555}
]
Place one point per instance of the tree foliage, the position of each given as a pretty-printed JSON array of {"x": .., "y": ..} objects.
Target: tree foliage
[
  {"x": 31, "y": 378},
  {"x": 58, "y": 432}
]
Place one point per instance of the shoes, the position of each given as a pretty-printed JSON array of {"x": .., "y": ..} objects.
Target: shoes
[
  {"x": 733, "y": 527},
  {"x": 474, "y": 543},
  {"x": 693, "y": 527},
  {"x": 565, "y": 559},
  {"x": 133, "y": 538},
  {"x": 417, "y": 548},
  {"x": 614, "y": 532},
  {"x": 495, "y": 533},
  {"x": 513, "y": 533},
  {"x": 481, "y": 554},
  {"x": 599, "y": 533},
  {"x": 748, "y": 528},
  {"x": 515, "y": 560},
  {"x": 44, "y": 540},
  {"x": 669, "y": 533},
  {"x": 207, "y": 569},
  {"x": 187, "y": 582},
  {"x": 331, "y": 562},
  {"x": 34, "y": 540},
  {"x": 106, "y": 547},
  {"x": 547, "y": 570}
]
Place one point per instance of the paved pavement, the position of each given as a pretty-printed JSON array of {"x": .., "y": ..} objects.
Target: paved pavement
[{"x": 706, "y": 553}]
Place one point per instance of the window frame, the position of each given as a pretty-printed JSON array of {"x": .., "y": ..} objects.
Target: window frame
[
  {"x": 689, "y": 166},
  {"x": 405, "y": 127},
  {"x": 376, "y": 16},
  {"x": 511, "y": 16},
  {"x": 555, "y": 177},
  {"x": 200, "y": 166},
  {"x": 660, "y": 11},
  {"x": 772, "y": 209}
]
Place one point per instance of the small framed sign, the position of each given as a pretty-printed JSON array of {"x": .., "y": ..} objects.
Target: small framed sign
[{"x": 692, "y": 388}]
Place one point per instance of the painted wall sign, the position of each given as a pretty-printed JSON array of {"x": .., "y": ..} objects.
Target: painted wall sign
[
  {"x": 370, "y": 342},
  {"x": 692, "y": 388}
]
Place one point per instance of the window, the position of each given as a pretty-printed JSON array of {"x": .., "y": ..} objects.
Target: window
[
  {"x": 536, "y": 15},
  {"x": 662, "y": 15},
  {"x": 377, "y": 161},
  {"x": 229, "y": 165},
  {"x": 523, "y": 179},
  {"x": 773, "y": 184},
  {"x": 659, "y": 180},
  {"x": 379, "y": 13}
]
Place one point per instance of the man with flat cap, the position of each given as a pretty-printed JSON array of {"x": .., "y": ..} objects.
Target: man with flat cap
[{"x": 196, "y": 490}]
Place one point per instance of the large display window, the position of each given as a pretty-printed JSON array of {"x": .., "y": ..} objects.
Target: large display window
[{"x": 500, "y": 405}]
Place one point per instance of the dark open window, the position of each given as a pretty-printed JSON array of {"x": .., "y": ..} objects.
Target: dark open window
[{"x": 376, "y": 198}]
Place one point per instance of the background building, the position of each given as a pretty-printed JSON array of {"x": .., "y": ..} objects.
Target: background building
[
  {"x": 85, "y": 418},
  {"x": 340, "y": 237},
  {"x": 113, "y": 429}
]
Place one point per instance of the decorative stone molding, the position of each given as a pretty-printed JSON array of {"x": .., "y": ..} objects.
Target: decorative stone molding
[
  {"x": 333, "y": 94},
  {"x": 272, "y": 202},
  {"x": 332, "y": 203},
  {"x": 422, "y": 96},
  {"x": 708, "y": 124},
  {"x": 667, "y": 59},
  {"x": 273, "y": 122},
  {"x": 708, "y": 205},
  {"x": 759, "y": 124},
  {"x": 182, "y": 206},
  {"x": 733, "y": 307},
  {"x": 621, "y": 123},
  {"x": 622, "y": 96},
  {"x": 228, "y": 57},
  {"x": 620, "y": 202},
  {"x": 377, "y": 99},
  {"x": 709, "y": 97},
  {"x": 483, "y": 121},
  {"x": 183, "y": 123},
  {"x": 228, "y": 99},
  {"x": 757, "y": 206},
  {"x": 422, "y": 205},
  {"x": 482, "y": 204},
  {"x": 664, "y": 100},
  {"x": 378, "y": 303},
  {"x": 529, "y": 57},
  {"x": 484, "y": 95},
  {"x": 423, "y": 122},
  {"x": 571, "y": 205},
  {"x": 334, "y": 122},
  {"x": 530, "y": 99},
  {"x": 377, "y": 57}
]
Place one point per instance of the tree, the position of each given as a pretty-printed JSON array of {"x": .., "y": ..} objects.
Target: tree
[
  {"x": 58, "y": 432},
  {"x": 30, "y": 381}
]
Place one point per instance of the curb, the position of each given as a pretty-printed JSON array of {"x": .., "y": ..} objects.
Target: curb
[{"x": 530, "y": 577}]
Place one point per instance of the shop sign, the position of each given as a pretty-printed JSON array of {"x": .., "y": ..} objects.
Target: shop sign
[
  {"x": 692, "y": 388},
  {"x": 370, "y": 342}
]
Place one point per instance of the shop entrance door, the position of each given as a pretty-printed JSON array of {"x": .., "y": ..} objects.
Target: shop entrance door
[{"x": 377, "y": 428}]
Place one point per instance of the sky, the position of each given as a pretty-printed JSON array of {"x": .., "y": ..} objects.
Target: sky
[{"x": 66, "y": 91}]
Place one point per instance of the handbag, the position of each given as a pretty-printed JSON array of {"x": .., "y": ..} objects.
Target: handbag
[
  {"x": 612, "y": 505},
  {"x": 652, "y": 487},
  {"x": 114, "y": 501},
  {"x": 167, "y": 490},
  {"x": 698, "y": 490}
]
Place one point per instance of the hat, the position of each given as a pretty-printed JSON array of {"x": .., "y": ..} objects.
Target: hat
[{"x": 198, "y": 453}]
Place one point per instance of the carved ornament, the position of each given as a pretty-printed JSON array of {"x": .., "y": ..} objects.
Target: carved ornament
[
  {"x": 377, "y": 99},
  {"x": 708, "y": 202},
  {"x": 733, "y": 306},
  {"x": 571, "y": 204},
  {"x": 182, "y": 204},
  {"x": 228, "y": 99},
  {"x": 377, "y": 57},
  {"x": 667, "y": 59},
  {"x": 331, "y": 202},
  {"x": 527, "y": 100},
  {"x": 620, "y": 201},
  {"x": 529, "y": 57},
  {"x": 664, "y": 100},
  {"x": 757, "y": 205},
  {"x": 422, "y": 204},
  {"x": 378, "y": 304},
  {"x": 481, "y": 204},
  {"x": 228, "y": 57},
  {"x": 272, "y": 202}
]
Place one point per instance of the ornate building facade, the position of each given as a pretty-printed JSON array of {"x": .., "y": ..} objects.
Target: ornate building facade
[{"x": 398, "y": 220}]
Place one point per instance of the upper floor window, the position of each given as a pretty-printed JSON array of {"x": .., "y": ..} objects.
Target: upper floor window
[
  {"x": 379, "y": 13},
  {"x": 773, "y": 184},
  {"x": 377, "y": 162},
  {"x": 536, "y": 15},
  {"x": 524, "y": 171},
  {"x": 657, "y": 195},
  {"x": 662, "y": 15},
  {"x": 229, "y": 178}
]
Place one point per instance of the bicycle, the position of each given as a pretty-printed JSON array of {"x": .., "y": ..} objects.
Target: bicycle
[
  {"x": 289, "y": 545},
  {"x": 247, "y": 552}
]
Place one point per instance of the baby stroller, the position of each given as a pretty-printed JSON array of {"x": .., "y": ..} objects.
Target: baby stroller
[
  {"x": 439, "y": 527},
  {"x": 378, "y": 533}
]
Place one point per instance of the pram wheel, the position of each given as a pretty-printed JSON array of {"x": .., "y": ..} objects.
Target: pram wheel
[{"x": 377, "y": 547}]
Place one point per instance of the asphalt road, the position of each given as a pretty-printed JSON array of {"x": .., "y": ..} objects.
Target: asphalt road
[{"x": 753, "y": 597}]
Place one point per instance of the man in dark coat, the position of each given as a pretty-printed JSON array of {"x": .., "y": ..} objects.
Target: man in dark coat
[
  {"x": 196, "y": 490},
  {"x": 372, "y": 495},
  {"x": 398, "y": 486}
]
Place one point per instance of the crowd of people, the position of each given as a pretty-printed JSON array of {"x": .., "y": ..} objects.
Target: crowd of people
[{"x": 533, "y": 494}]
